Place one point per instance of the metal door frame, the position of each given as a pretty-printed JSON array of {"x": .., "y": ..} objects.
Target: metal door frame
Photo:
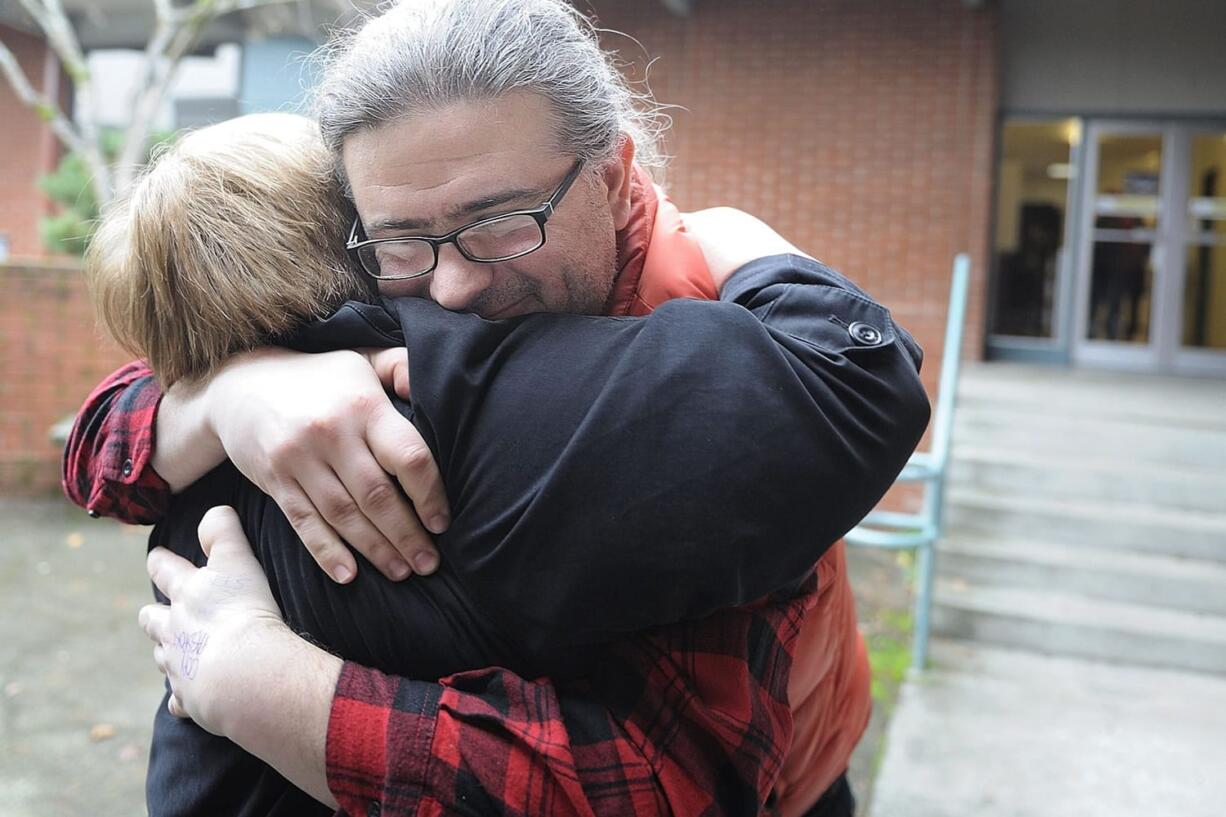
[
  {"x": 1163, "y": 352},
  {"x": 1178, "y": 358},
  {"x": 1105, "y": 353}
]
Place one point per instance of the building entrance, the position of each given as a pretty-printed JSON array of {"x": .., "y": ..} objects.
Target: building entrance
[
  {"x": 1110, "y": 245},
  {"x": 1151, "y": 251}
]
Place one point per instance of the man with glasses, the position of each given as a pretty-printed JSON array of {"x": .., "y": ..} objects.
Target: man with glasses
[
  {"x": 489, "y": 149},
  {"x": 489, "y": 240}
]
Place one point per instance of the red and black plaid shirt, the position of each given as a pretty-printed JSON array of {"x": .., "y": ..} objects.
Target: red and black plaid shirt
[
  {"x": 107, "y": 461},
  {"x": 687, "y": 719}
]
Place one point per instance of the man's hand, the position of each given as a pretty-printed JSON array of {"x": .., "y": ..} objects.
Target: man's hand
[
  {"x": 731, "y": 238},
  {"x": 233, "y": 666},
  {"x": 215, "y": 612},
  {"x": 318, "y": 434}
]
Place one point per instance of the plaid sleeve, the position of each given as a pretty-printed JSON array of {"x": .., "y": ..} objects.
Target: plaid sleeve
[
  {"x": 688, "y": 719},
  {"x": 107, "y": 462}
]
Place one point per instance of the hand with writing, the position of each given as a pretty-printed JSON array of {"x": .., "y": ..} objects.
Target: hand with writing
[{"x": 208, "y": 639}]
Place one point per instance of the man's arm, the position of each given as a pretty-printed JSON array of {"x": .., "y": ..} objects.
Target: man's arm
[
  {"x": 706, "y": 455},
  {"x": 324, "y": 454},
  {"x": 676, "y": 721}
]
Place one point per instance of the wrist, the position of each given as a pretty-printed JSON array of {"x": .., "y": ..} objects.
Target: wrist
[
  {"x": 281, "y": 701},
  {"x": 277, "y": 677},
  {"x": 248, "y": 688},
  {"x": 187, "y": 446}
]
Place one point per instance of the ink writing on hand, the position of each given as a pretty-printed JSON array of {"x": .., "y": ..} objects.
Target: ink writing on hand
[{"x": 190, "y": 645}]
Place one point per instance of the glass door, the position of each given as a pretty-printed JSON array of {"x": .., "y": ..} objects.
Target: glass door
[
  {"x": 1124, "y": 223},
  {"x": 1151, "y": 266},
  {"x": 1200, "y": 343}
]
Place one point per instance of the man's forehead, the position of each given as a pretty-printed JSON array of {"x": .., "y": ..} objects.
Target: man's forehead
[{"x": 430, "y": 169}]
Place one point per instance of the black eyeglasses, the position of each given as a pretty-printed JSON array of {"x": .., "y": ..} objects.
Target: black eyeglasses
[{"x": 488, "y": 241}]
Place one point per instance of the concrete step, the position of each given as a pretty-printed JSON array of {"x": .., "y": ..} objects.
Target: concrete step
[
  {"x": 1094, "y": 477},
  {"x": 1022, "y": 428},
  {"x": 1066, "y": 624},
  {"x": 1079, "y": 522},
  {"x": 1096, "y": 395},
  {"x": 1192, "y": 585}
]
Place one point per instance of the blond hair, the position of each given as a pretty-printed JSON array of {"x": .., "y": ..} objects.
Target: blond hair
[{"x": 231, "y": 238}]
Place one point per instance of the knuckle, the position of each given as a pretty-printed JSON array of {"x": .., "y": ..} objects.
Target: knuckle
[
  {"x": 326, "y": 428},
  {"x": 417, "y": 457},
  {"x": 378, "y": 493},
  {"x": 340, "y": 510},
  {"x": 300, "y": 514},
  {"x": 285, "y": 452},
  {"x": 365, "y": 403}
]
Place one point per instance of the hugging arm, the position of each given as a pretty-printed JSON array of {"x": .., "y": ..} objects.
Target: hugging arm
[
  {"x": 683, "y": 716},
  {"x": 705, "y": 455},
  {"x": 680, "y": 720},
  {"x": 316, "y": 433}
]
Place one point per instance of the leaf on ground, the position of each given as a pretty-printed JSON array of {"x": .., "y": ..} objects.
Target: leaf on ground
[
  {"x": 74, "y": 540},
  {"x": 101, "y": 731}
]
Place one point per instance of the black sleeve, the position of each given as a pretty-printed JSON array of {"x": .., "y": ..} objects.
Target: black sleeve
[{"x": 612, "y": 474}]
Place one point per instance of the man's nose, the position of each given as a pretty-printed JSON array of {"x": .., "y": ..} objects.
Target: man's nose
[{"x": 456, "y": 282}]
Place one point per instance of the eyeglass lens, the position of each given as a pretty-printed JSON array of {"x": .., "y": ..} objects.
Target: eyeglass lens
[{"x": 495, "y": 240}]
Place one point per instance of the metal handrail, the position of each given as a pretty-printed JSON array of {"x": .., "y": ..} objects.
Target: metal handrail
[{"x": 920, "y": 531}]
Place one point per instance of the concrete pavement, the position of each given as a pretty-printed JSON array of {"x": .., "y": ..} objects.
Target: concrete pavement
[
  {"x": 992, "y": 732},
  {"x": 78, "y": 687}
]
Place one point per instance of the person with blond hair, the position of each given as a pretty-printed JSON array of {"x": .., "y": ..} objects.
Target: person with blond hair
[
  {"x": 224, "y": 245},
  {"x": 489, "y": 152}
]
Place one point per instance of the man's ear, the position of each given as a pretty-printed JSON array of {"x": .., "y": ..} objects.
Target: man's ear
[{"x": 618, "y": 176}]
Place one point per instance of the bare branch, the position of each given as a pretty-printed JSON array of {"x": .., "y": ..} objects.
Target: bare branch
[
  {"x": 177, "y": 32},
  {"x": 46, "y": 109},
  {"x": 50, "y": 112},
  {"x": 52, "y": 19},
  {"x": 54, "y": 22}
]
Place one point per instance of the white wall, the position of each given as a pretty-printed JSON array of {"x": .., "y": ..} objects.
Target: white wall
[{"x": 116, "y": 74}]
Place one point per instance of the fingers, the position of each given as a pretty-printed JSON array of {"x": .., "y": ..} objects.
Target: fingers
[
  {"x": 392, "y": 368},
  {"x": 329, "y": 552},
  {"x": 169, "y": 571},
  {"x": 154, "y": 619},
  {"x": 358, "y": 521},
  {"x": 221, "y": 533},
  {"x": 399, "y": 449},
  {"x": 402, "y": 539}
]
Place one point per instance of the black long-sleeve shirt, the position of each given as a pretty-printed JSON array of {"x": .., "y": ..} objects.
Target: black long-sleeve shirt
[{"x": 606, "y": 475}]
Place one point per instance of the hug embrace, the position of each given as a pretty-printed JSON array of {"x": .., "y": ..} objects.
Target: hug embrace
[{"x": 485, "y": 480}]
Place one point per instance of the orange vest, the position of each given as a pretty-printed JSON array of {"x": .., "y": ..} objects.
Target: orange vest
[{"x": 829, "y": 687}]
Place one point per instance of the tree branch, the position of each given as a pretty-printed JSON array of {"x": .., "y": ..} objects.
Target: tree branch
[
  {"x": 177, "y": 33},
  {"x": 54, "y": 23},
  {"x": 48, "y": 111}
]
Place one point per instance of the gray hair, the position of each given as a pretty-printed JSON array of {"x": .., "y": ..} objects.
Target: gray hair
[{"x": 422, "y": 55}]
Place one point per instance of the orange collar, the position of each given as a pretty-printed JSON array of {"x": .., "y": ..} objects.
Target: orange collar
[{"x": 657, "y": 260}]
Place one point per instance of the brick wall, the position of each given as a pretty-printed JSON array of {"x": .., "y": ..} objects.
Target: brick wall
[
  {"x": 27, "y": 147},
  {"x": 860, "y": 129},
  {"x": 51, "y": 355}
]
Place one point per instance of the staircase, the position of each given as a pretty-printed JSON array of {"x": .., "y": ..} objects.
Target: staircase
[{"x": 1086, "y": 516}]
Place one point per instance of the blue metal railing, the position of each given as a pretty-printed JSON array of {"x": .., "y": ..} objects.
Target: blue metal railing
[{"x": 921, "y": 531}]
